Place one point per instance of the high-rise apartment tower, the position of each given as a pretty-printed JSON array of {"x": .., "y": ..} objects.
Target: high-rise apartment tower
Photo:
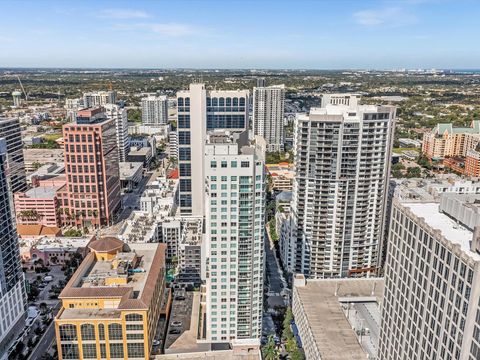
[
  {"x": 234, "y": 190},
  {"x": 342, "y": 164},
  {"x": 268, "y": 111},
  {"x": 155, "y": 110}
]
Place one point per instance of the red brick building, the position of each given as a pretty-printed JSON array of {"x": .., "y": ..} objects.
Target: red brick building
[{"x": 92, "y": 194}]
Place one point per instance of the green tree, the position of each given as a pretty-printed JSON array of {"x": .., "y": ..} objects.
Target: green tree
[
  {"x": 270, "y": 351},
  {"x": 134, "y": 115},
  {"x": 297, "y": 354},
  {"x": 414, "y": 172}
]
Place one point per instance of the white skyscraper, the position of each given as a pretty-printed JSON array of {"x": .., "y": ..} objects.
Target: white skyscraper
[
  {"x": 198, "y": 111},
  {"x": 268, "y": 110},
  {"x": 342, "y": 163},
  {"x": 99, "y": 98},
  {"x": 155, "y": 110},
  {"x": 119, "y": 114},
  {"x": 234, "y": 198},
  {"x": 431, "y": 305}
]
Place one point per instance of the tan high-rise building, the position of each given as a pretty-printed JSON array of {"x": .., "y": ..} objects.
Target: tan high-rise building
[
  {"x": 446, "y": 141},
  {"x": 92, "y": 170},
  {"x": 112, "y": 304}
]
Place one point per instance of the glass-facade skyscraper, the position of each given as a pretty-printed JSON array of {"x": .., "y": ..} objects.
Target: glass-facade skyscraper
[{"x": 198, "y": 111}]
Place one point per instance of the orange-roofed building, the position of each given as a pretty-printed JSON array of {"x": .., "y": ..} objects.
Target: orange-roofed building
[
  {"x": 112, "y": 303},
  {"x": 33, "y": 231}
]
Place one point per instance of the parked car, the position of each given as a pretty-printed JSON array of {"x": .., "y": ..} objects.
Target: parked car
[
  {"x": 176, "y": 323},
  {"x": 174, "y": 331}
]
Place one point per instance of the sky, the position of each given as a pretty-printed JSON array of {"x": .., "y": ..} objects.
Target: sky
[{"x": 299, "y": 34}]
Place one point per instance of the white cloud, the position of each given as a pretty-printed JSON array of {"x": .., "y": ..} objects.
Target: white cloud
[
  {"x": 123, "y": 14},
  {"x": 162, "y": 29},
  {"x": 391, "y": 17}
]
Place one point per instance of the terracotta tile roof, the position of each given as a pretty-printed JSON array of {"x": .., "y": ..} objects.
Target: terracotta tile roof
[
  {"x": 37, "y": 230},
  {"x": 106, "y": 244}
]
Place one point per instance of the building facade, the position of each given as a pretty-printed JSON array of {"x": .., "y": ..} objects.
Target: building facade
[
  {"x": 99, "y": 98},
  {"x": 10, "y": 130},
  {"x": 112, "y": 304},
  {"x": 235, "y": 205},
  {"x": 268, "y": 113},
  {"x": 342, "y": 165},
  {"x": 447, "y": 141},
  {"x": 119, "y": 115},
  {"x": 155, "y": 110},
  {"x": 38, "y": 206},
  {"x": 12, "y": 290},
  {"x": 92, "y": 170},
  {"x": 199, "y": 110},
  {"x": 431, "y": 302}
]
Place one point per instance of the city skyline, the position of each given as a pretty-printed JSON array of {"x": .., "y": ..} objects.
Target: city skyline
[{"x": 192, "y": 34}]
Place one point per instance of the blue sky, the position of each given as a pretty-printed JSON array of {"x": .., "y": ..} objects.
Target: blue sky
[{"x": 321, "y": 34}]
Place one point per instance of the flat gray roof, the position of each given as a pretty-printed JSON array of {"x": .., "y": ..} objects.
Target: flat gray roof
[
  {"x": 42, "y": 192},
  {"x": 322, "y": 302},
  {"x": 450, "y": 229}
]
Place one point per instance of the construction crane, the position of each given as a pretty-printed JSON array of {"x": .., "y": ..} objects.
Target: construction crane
[{"x": 23, "y": 89}]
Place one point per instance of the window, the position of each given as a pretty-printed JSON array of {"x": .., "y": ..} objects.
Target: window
[
  {"x": 213, "y": 164},
  {"x": 68, "y": 332},
  {"x": 134, "y": 327},
  {"x": 224, "y": 164},
  {"x": 184, "y": 154},
  {"x": 184, "y": 121},
  {"x": 115, "y": 332},
  {"x": 134, "y": 317},
  {"x": 135, "y": 350},
  {"x": 185, "y": 170},
  {"x": 233, "y": 164},
  {"x": 185, "y": 185},
  {"x": 184, "y": 137},
  {"x": 135, "y": 336},
  {"x": 89, "y": 351},
  {"x": 88, "y": 332},
  {"x": 245, "y": 164},
  {"x": 103, "y": 351},
  {"x": 116, "y": 351},
  {"x": 70, "y": 351},
  {"x": 101, "y": 331}
]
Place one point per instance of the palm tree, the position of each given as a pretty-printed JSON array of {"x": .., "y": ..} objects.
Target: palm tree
[{"x": 270, "y": 351}]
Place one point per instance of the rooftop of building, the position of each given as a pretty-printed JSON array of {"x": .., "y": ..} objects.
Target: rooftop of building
[
  {"x": 42, "y": 192},
  {"x": 324, "y": 303},
  {"x": 129, "y": 169},
  {"x": 337, "y": 112},
  {"x": 137, "y": 265},
  {"x": 213, "y": 355},
  {"x": 430, "y": 189},
  {"x": 451, "y": 229},
  {"x": 192, "y": 230},
  {"x": 448, "y": 128},
  {"x": 140, "y": 151},
  {"x": 55, "y": 242},
  {"x": 37, "y": 230}
]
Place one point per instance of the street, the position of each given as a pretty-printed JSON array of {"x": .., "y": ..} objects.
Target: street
[
  {"x": 276, "y": 282},
  {"x": 46, "y": 340}
]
